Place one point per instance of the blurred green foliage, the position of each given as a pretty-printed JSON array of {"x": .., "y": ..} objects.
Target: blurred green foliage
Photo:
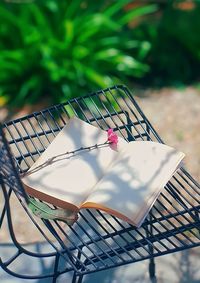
[
  {"x": 60, "y": 49},
  {"x": 173, "y": 34},
  {"x": 56, "y": 50}
]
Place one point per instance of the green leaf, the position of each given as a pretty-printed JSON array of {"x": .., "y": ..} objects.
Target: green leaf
[
  {"x": 137, "y": 12},
  {"x": 44, "y": 211},
  {"x": 10, "y": 17},
  {"x": 73, "y": 7},
  {"x": 69, "y": 26},
  {"x": 99, "y": 79},
  {"x": 116, "y": 7},
  {"x": 41, "y": 20}
]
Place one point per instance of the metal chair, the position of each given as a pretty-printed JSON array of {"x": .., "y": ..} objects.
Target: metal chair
[{"x": 97, "y": 241}]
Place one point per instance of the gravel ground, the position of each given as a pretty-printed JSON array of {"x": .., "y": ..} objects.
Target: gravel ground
[{"x": 176, "y": 117}]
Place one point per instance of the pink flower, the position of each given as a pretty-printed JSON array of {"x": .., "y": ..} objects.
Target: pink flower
[{"x": 112, "y": 137}]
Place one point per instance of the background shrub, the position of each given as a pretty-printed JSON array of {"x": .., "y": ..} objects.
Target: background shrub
[
  {"x": 56, "y": 50},
  {"x": 60, "y": 49},
  {"x": 173, "y": 34}
]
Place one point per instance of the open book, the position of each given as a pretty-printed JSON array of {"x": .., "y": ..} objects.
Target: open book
[{"x": 123, "y": 182}]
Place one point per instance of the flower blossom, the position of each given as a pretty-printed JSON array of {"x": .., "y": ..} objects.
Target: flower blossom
[{"x": 112, "y": 138}]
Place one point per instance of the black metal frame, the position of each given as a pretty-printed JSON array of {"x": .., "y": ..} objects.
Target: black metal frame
[{"x": 97, "y": 241}]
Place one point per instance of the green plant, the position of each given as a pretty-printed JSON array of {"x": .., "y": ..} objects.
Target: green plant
[
  {"x": 175, "y": 43},
  {"x": 60, "y": 49}
]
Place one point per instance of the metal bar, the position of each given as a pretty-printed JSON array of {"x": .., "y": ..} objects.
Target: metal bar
[
  {"x": 100, "y": 237},
  {"x": 138, "y": 120}
]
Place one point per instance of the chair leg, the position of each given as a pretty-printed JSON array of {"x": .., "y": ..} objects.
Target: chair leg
[
  {"x": 77, "y": 278},
  {"x": 152, "y": 271},
  {"x": 152, "y": 267}
]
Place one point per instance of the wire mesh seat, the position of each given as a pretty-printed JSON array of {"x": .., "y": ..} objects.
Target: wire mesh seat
[{"x": 97, "y": 241}]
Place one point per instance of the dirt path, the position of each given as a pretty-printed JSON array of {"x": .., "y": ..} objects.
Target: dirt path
[{"x": 176, "y": 117}]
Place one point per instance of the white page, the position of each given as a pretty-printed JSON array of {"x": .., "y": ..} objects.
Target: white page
[
  {"x": 72, "y": 179},
  {"x": 138, "y": 174}
]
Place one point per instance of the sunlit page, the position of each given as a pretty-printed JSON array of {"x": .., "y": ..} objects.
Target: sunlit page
[{"x": 136, "y": 177}]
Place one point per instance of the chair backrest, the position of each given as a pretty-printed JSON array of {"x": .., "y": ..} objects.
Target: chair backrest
[{"x": 8, "y": 172}]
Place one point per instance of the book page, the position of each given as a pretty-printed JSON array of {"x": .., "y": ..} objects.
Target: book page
[
  {"x": 70, "y": 178},
  {"x": 130, "y": 187}
]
